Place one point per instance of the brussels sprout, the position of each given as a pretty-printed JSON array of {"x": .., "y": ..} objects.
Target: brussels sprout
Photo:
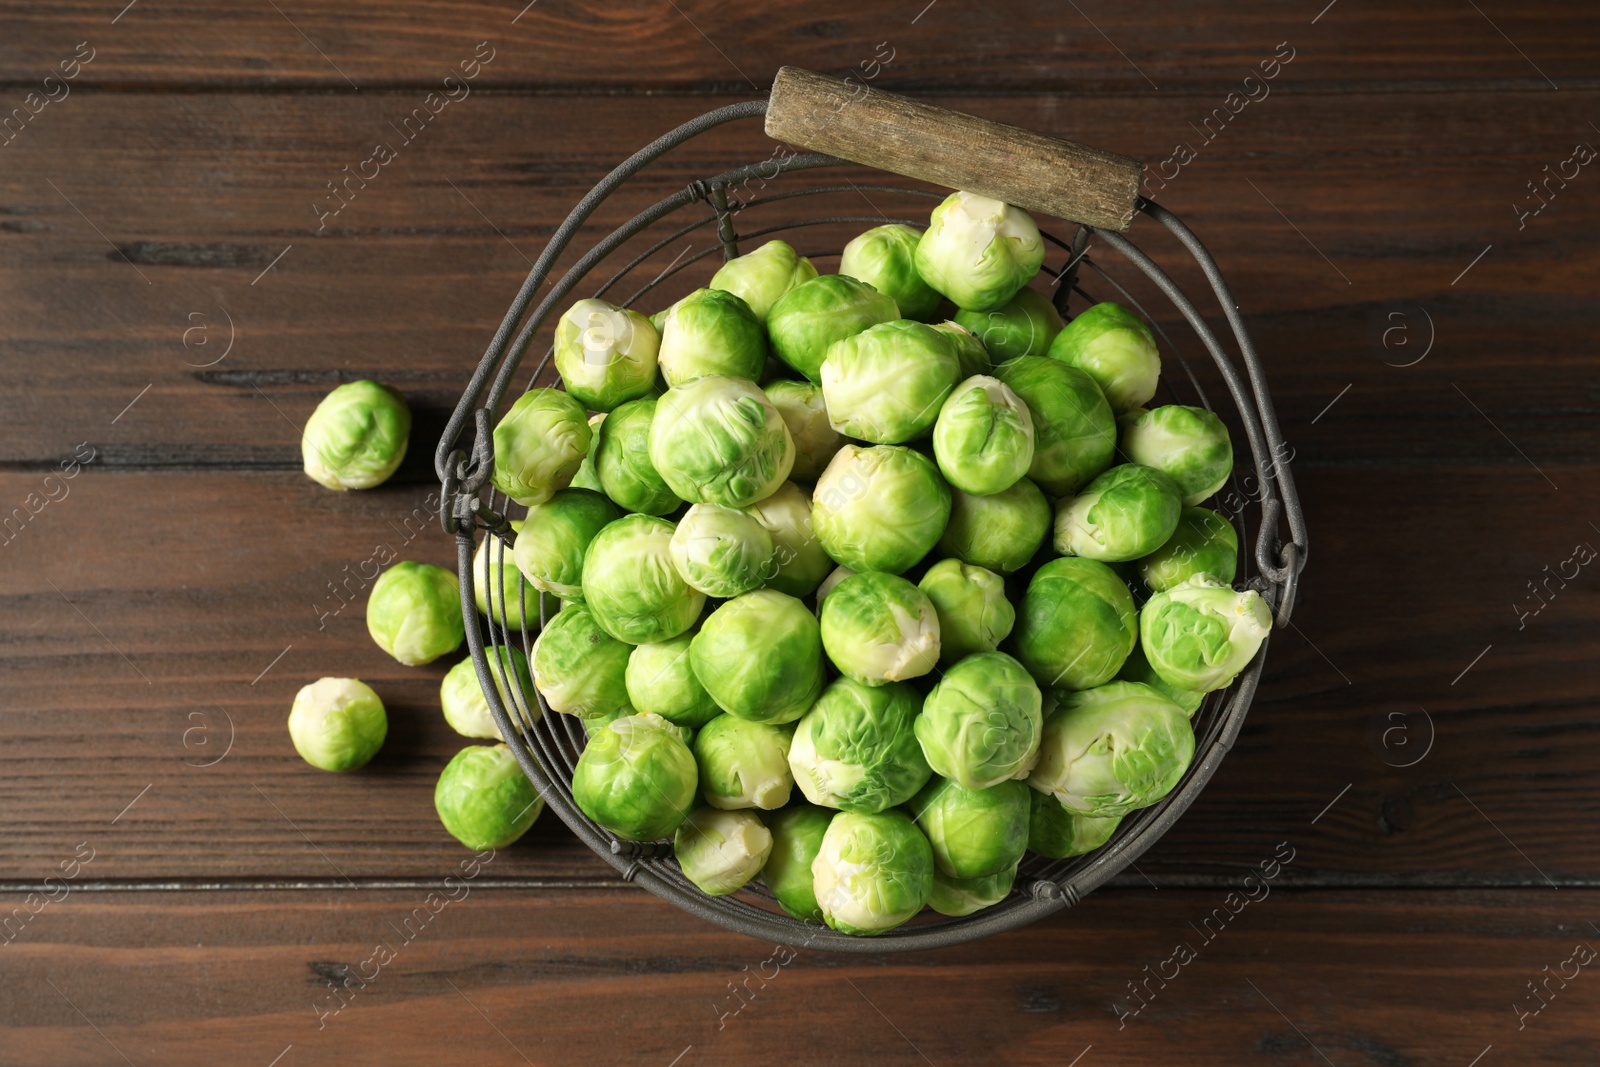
[
  {"x": 979, "y": 252},
  {"x": 721, "y": 551},
  {"x": 1114, "y": 347},
  {"x": 856, "y": 748},
  {"x": 1136, "y": 668},
  {"x": 810, "y": 317},
  {"x": 884, "y": 257},
  {"x": 720, "y": 851},
  {"x": 1001, "y": 531},
  {"x": 887, "y": 383},
  {"x": 970, "y": 353},
  {"x": 799, "y": 562},
  {"x": 963, "y": 896},
  {"x": 484, "y": 799},
  {"x": 806, "y": 415},
  {"x": 632, "y": 586},
  {"x": 980, "y": 724},
  {"x": 539, "y": 445},
  {"x": 872, "y": 873},
  {"x": 1113, "y": 749},
  {"x": 880, "y": 508},
  {"x": 587, "y": 477},
  {"x": 1056, "y": 833},
  {"x": 636, "y": 778},
  {"x": 1203, "y": 543},
  {"x": 337, "y": 724},
  {"x": 983, "y": 439},
  {"x": 466, "y": 708},
  {"x": 1024, "y": 326},
  {"x": 759, "y": 278},
  {"x": 578, "y": 668},
  {"x": 552, "y": 540},
  {"x": 357, "y": 436},
  {"x": 880, "y": 628},
  {"x": 837, "y": 575},
  {"x": 1074, "y": 432},
  {"x": 744, "y": 764},
  {"x": 797, "y": 833},
  {"x": 1076, "y": 624},
  {"x": 496, "y": 581},
  {"x": 1201, "y": 634},
  {"x": 974, "y": 832},
  {"x": 719, "y": 440},
  {"x": 622, "y": 460},
  {"x": 974, "y": 614},
  {"x": 711, "y": 331},
  {"x": 760, "y": 657},
  {"x": 606, "y": 355},
  {"x": 661, "y": 681},
  {"x": 1189, "y": 445},
  {"x": 1127, "y": 512},
  {"x": 414, "y": 613}
]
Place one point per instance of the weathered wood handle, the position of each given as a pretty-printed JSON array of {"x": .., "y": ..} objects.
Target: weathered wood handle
[{"x": 948, "y": 148}]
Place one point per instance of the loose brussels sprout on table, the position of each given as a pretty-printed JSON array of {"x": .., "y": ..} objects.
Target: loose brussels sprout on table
[
  {"x": 873, "y": 872},
  {"x": 1074, "y": 431},
  {"x": 414, "y": 612},
  {"x": 636, "y": 778},
  {"x": 1076, "y": 624},
  {"x": 578, "y": 667},
  {"x": 720, "y": 851},
  {"x": 719, "y": 440},
  {"x": 983, "y": 438},
  {"x": 357, "y": 436},
  {"x": 632, "y": 586},
  {"x": 1114, "y": 347},
  {"x": 711, "y": 331},
  {"x": 974, "y": 614},
  {"x": 606, "y": 355},
  {"x": 857, "y": 750},
  {"x": 462, "y": 699},
  {"x": 880, "y": 628},
  {"x": 484, "y": 799},
  {"x": 539, "y": 445},
  {"x": 1204, "y": 543},
  {"x": 337, "y": 724},
  {"x": 760, "y": 657},
  {"x": 660, "y": 680},
  {"x": 797, "y": 833},
  {"x": 980, "y": 724},
  {"x": 622, "y": 460},
  {"x": 721, "y": 551},
  {"x": 1190, "y": 445},
  {"x": 806, "y": 414},
  {"x": 552, "y": 540},
  {"x": 887, "y": 383},
  {"x": 811, "y": 317},
  {"x": 1201, "y": 634},
  {"x": 759, "y": 278},
  {"x": 1023, "y": 326},
  {"x": 1127, "y": 512},
  {"x": 799, "y": 562},
  {"x": 880, "y": 508},
  {"x": 744, "y": 764},
  {"x": 1001, "y": 531},
  {"x": 979, "y": 252},
  {"x": 1113, "y": 749},
  {"x": 975, "y": 833}
]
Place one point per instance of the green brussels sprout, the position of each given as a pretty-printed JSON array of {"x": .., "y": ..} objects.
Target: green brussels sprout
[
  {"x": 636, "y": 778},
  {"x": 980, "y": 725},
  {"x": 799, "y": 562},
  {"x": 856, "y": 749},
  {"x": 885, "y": 258},
  {"x": 974, "y": 614},
  {"x": 1201, "y": 634},
  {"x": 887, "y": 383},
  {"x": 721, "y": 551},
  {"x": 719, "y": 440},
  {"x": 1057, "y": 833},
  {"x": 974, "y": 832},
  {"x": 810, "y": 317},
  {"x": 880, "y": 628},
  {"x": 872, "y": 873},
  {"x": 1001, "y": 531},
  {"x": 1136, "y": 668},
  {"x": 760, "y": 657},
  {"x": 963, "y": 896},
  {"x": 1113, "y": 749},
  {"x": 496, "y": 581},
  {"x": 983, "y": 438},
  {"x": 1076, "y": 625},
  {"x": 1023, "y": 326},
  {"x": 552, "y": 540},
  {"x": 979, "y": 252},
  {"x": 1127, "y": 512},
  {"x": 806, "y": 414},
  {"x": 837, "y": 575},
  {"x": 1203, "y": 543},
  {"x": 744, "y": 764},
  {"x": 1114, "y": 347},
  {"x": 466, "y": 708},
  {"x": 539, "y": 445},
  {"x": 632, "y": 586},
  {"x": 759, "y": 278},
  {"x": 1189, "y": 445},
  {"x": 880, "y": 508},
  {"x": 1074, "y": 432},
  {"x": 337, "y": 724},
  {"x": 578, "y": 668},
  {"x": 711, "y": 331},
  {"x": 970, "y": 353},
  {"x": 661, "y": 681},
  {"x": 605, "y": 355},
  {"x": 587, "y": 477},
  {"x": 357, "y": 436},
  {"x": 797, "y": 833},
  {"x": 720, "y": 851},
  {"x": 414, "y": 613},
  {"x": 622, "y": 460},
  {"x": 484, "y": 799}
]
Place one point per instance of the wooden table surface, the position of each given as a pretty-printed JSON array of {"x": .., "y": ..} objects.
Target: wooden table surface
[{"x": 179, "y": 888}]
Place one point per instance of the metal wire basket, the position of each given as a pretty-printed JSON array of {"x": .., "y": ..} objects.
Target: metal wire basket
[{"x": 1096, "y": 190}]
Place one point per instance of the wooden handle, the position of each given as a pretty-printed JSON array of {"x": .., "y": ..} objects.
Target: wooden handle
[{"x": 948, "y": 148}]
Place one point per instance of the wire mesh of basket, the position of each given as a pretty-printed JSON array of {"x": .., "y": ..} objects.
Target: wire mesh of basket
[{"x": 729, "y": 211}]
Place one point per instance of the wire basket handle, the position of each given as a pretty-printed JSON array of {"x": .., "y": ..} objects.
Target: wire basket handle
[{"x": 949, "y": 148}]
